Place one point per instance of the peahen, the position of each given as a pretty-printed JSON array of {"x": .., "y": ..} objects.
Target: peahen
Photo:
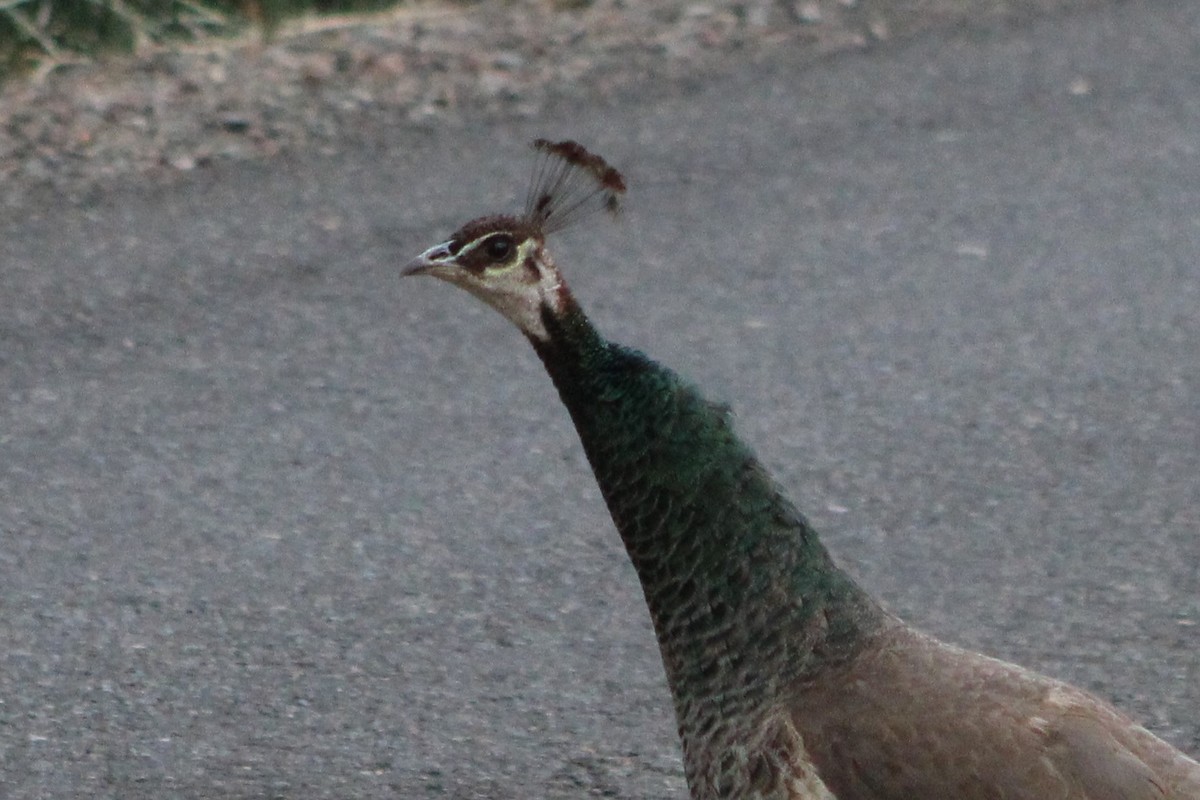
[{"x": 789, "y": 681}]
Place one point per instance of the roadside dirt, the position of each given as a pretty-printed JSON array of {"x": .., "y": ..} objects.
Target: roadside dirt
[{"x": 164, "y": 112}]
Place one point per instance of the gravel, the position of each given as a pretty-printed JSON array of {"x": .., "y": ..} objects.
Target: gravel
[{"x": 320, "y": 83}]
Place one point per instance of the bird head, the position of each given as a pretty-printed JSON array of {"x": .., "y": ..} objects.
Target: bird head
[{"x": 503, "y": 260}]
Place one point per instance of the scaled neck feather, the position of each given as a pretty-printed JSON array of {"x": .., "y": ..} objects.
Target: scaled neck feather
[{"x": 744, "y": 598}]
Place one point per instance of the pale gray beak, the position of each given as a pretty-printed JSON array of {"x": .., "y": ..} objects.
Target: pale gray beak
[{"x": 432, "y": 258}]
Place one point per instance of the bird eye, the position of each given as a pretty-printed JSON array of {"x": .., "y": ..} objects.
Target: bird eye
[{"x": 499, "y": 248}]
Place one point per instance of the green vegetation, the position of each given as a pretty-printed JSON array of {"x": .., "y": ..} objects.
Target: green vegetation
[{"x": 33, "y": 30}]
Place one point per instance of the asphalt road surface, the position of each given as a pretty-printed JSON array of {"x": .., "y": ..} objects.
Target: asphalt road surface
[{"x": 276, "y": 523}]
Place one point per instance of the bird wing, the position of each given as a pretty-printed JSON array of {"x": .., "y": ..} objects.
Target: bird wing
[
  {"x": 1111, "y": 758},
  {"x": 1085, "y": 749},
  {"x": 915, "y": 718}
]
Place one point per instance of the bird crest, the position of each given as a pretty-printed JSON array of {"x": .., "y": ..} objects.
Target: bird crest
[{"x": 568, "y": 183}]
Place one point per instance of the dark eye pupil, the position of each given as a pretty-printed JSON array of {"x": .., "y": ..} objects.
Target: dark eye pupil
[{"x": 499, "y": 247}]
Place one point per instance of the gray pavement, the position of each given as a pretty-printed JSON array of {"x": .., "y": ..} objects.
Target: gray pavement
[{"x": 278, "y": 524}]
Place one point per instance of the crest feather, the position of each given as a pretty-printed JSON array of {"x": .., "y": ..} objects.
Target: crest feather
[{"x": 569, "y": 182}]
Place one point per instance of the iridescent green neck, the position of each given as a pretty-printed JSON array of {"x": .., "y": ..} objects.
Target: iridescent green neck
[{"x": 743, "y": 596}]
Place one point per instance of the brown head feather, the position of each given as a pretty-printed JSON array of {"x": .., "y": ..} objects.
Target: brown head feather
[{"x": 519, "y": 227}]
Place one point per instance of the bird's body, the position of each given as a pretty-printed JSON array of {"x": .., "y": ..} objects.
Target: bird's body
[
  {"x": 789, "y": 681},
  {"x": 913, "y": 717}
]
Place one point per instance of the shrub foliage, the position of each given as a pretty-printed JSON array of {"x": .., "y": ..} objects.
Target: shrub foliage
[{"x": 34, "y": 30}]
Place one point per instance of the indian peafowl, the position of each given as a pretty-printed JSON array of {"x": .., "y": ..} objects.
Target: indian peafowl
[{"x": 789, "y": 681}]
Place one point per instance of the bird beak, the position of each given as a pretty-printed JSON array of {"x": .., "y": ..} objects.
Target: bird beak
[{"x": 431, "y": 259}]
